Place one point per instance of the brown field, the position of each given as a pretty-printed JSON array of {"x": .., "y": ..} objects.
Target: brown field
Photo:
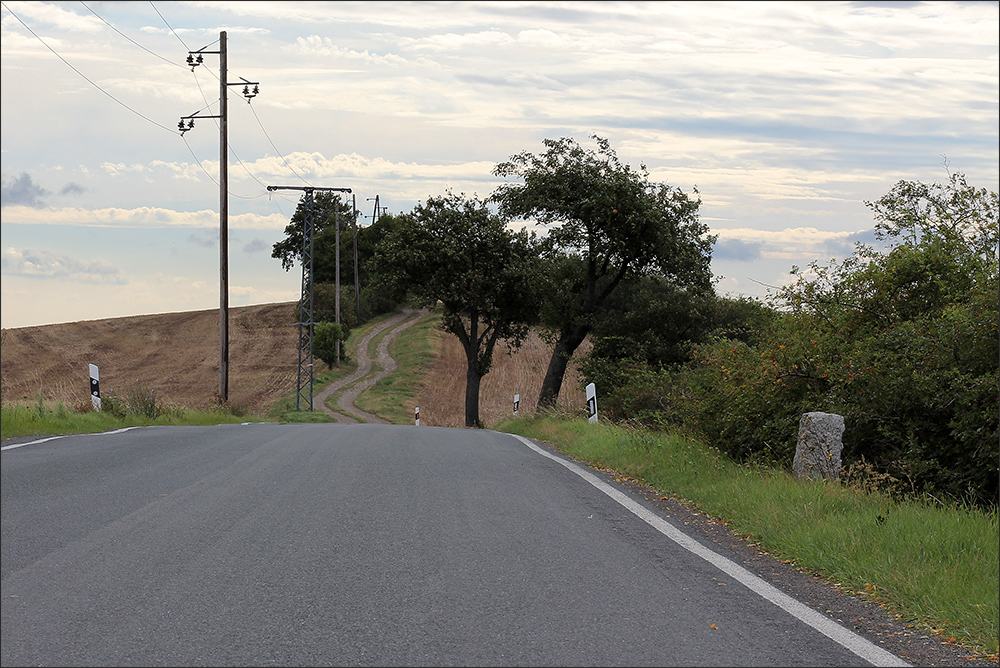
[
  {"x": 442, "y": 395},
  {"x": 177, "y": 356}
]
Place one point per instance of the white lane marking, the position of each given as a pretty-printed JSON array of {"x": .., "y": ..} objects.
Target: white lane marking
[
  {"x": 21, "y": 445},
  {"x": 848, "y": 639},
  {"x": 52, "y": 438}
]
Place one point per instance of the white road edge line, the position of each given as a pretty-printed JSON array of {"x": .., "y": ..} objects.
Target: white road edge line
[
  {"x": 865, "y": 649},
  {"x": 52, "y": 438},
  {"x": 102, "y": 433}
]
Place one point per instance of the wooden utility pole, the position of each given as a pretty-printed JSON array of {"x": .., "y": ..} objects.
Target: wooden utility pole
[
  {"x": 357, "y": 285},
  {"x": 223, "y": 225},
  {"x": 336, "y": 297},
  {"x": 223, "y": 117}
]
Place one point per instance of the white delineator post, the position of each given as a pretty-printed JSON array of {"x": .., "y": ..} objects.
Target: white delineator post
[
  {"x": 517, "y": 400},
  {"x": 592, "y": 403},
  {"x": 95, "y": 387},
  {"x": 416, "y": 415}
]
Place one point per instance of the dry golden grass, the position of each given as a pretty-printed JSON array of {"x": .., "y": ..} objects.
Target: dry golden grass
[
  {"x": 441, "y": 396},
  {"x": 177, "y": 356},
  {"x": 174, "y": 354}
]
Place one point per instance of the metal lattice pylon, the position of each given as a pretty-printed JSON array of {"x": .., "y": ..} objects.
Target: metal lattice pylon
[
  {"x": 304, "y": 382},
  {"x": 304, "y": 390}
]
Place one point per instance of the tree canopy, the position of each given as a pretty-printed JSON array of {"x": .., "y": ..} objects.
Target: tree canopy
[
  {"x": 608, "y": 224},
  {"x": 452, "y": 250},
  {"x": 327, "y": 206}
]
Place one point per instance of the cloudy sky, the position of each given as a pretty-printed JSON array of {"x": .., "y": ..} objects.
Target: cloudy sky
[{"x": 786, "y": 117}]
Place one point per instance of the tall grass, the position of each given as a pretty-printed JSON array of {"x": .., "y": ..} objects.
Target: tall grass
[
  {"x": 935, "y": 565},
  {"x": 42, "y": 419}
]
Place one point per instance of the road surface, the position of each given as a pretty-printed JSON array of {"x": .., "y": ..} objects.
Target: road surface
[{"x": 368, "y": 544}]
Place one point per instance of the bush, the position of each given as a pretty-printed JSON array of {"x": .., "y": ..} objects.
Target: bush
[
  {"x": 135, "y": 400},
  {"x": 326, "y": 336},
  {"x": 902, "y": 342}
]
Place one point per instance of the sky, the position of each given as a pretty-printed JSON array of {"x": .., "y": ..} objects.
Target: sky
[{"x": 786, "y": 117}]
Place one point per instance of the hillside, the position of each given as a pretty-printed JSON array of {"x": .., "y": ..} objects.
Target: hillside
[
  {"x": 441, "y": 397},
  {"x": 177, "y": 356}
]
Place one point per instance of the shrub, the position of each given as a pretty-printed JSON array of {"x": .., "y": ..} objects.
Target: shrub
[{"x": 902, "y": 342}]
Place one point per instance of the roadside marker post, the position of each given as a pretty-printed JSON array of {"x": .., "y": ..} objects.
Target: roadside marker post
[
  {"x": 95, "y": 387},
  {"x": 517, "y": 400},
  {"x": 416, "y": 415},
  {"x": 592, "y": 403}
]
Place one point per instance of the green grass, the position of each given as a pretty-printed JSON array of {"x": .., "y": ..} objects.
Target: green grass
[
  {"x": 39, "y": 420},
  {"x": 413, "y": 351},
  {"x": 934, "y": 565},
  {"x": 284, "y": 408}
]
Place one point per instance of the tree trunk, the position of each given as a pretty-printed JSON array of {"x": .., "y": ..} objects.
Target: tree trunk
[
  {"x": 472, "y": 380},
  {"x": 472, "y": 376},
  {"x": 565, "y": 347}
]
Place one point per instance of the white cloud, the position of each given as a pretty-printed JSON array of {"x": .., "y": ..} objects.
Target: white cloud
[
  {"x": 785, "y": 115},
  {"x": 142, "y": 217},
  {"x": 54, "y": 16},
  {"x": 43, "y": 263}
]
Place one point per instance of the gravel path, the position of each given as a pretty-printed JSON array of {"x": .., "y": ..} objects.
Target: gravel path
[{"x": 365, "y": 375}]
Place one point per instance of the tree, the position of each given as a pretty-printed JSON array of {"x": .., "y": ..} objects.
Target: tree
[
  {"x": 610, "y": 225},
  {"x": 327, "y": 206},
  {"x": 326, "y": 336},
  {"x": 651, "y": 324},
  {"x": 325, "y": 305},
  {"x": 453, "y": 250}
]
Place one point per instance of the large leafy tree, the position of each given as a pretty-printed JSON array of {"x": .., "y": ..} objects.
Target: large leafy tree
[
  {"x": 608, "y": 224},
  {"x": 327, "y": 207},
  {"x": 454, "y": 250}
]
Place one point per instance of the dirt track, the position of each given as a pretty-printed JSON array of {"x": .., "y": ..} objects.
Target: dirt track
[{"x": 364, "y": 377}]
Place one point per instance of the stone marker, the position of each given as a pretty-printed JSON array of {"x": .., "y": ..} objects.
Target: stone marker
[{"x": 817, "y": 452}]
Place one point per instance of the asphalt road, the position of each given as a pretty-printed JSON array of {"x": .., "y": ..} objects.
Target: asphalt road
[{"x": 368, "y": 544}]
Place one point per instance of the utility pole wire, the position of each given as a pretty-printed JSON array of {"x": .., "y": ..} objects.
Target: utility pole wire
[
  {"x": 280, "y": 155},
  {"x": 259, "y": 123},
  {"x": 140, "y": 115},
  {"x": 174, "y": 32},
  {"x": 129, "y": 38}
]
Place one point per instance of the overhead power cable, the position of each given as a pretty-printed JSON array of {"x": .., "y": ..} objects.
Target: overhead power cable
[
  {"x": 169, "y": 27},
  {"x": 146, "y": 118},
  {"x": 140, "y": 115},
  {"x": 172, "y": 62},
  {"x": 275, "y": 147},
  {"x": 259, "y": 123}
]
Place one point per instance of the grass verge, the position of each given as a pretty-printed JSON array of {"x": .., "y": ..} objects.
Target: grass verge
[
  {"x": 934, "y": 565},
  {"x": 413, "y": 350},
  {"x": 18, "y": 420}
]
